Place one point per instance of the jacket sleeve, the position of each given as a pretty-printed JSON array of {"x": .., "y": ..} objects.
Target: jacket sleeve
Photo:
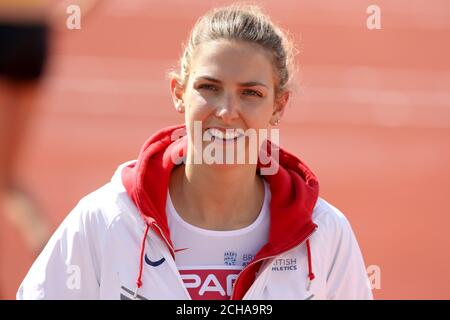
[
  {"x": 68, "y": 266},
  {"x": 347, "y": 277}
]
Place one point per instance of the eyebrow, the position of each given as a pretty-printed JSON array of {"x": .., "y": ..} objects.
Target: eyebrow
[{"x": 243, "y": 84}]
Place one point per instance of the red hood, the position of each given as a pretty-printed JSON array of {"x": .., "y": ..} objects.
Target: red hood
[{"x": 294, "y": 191}]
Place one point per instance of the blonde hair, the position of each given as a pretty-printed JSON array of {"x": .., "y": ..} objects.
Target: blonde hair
[{"x": 245, "y": 23}]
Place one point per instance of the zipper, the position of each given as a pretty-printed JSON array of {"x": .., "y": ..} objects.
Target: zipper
[
  {"x": 153, "y": 223},
  {"x": 164, "y": 237},
  {"x": 173, "y": 253},
  {"x": 265, "y": 258}
]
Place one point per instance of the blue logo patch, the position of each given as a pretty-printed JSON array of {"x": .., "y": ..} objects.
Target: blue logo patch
[{"x": 229, "y": 258}]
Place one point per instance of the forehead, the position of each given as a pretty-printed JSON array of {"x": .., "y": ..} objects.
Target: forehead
[{"x": 234, "y": 61}]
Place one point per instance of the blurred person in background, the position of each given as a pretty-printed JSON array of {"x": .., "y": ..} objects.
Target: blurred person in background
[
  {"x": 25, "y": 39},
  {"x": 24, "y": 46}
]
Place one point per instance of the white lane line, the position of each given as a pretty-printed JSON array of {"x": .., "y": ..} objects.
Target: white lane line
[
  {"x": 381, "y": 106},
  {"x": 318, "y": 94}
]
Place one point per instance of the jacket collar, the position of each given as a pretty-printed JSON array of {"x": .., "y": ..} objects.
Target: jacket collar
[{"x": 294, "y": 190}]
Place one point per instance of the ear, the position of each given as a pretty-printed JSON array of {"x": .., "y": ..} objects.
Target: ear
[
  {"x": 279, "y": 107},
  {"x": 177, "y": 91}
]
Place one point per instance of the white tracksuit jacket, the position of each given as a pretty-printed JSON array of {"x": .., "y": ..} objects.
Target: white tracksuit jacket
[{"x": 95, "y": 254}]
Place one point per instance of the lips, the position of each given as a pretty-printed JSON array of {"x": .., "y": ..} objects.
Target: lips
[{"x": 224, "y": 134}]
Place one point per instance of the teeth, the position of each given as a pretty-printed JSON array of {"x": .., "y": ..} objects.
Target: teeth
[{"x": 227, "y": 135}]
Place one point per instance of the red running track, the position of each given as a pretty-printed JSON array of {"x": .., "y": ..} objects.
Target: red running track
[{"x": 371, "y": 117}]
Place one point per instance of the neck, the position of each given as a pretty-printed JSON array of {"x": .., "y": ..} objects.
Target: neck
[{"x": 218, "y": 197}]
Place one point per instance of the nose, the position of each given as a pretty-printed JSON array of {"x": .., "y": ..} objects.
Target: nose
[{"x": 228, "y": 109}]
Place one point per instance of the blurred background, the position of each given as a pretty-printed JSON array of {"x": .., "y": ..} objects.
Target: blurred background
[{"x": 371, "y": 117}]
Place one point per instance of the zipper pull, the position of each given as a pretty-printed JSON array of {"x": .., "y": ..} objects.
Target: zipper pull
[
  {"x": 136, "y": 293},
  {"x": 308, "y": 284}
]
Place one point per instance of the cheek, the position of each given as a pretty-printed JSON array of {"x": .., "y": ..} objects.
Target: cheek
[
  {"x": 258, "y": 116},
  {"x": 197, "y": 105}
]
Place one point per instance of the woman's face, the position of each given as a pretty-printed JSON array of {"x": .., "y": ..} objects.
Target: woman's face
[{"x": 231, "y": 85}]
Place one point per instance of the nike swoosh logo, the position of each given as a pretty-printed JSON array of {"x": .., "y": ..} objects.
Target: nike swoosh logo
[
  {"x": 160, "y": 261},
  {"x": 154, "y": 263}
]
